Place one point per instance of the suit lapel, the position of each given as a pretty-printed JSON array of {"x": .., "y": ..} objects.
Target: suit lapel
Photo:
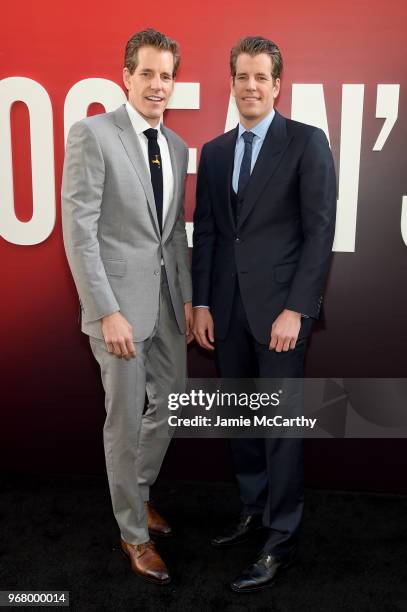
[
  {"x": 132, "y": 147},
  {"x": 274, "y": 145},
  {"x": 176, "y": 170},
  {"x": 225, "y": 169}
]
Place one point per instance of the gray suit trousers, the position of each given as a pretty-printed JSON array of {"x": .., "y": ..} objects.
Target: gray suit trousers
[{"x": 135, "y": 443}]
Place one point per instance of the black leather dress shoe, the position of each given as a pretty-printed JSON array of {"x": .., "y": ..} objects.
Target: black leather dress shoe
[
  {"x": 260, "y": 574},
  {"x": 247, "y": 525}
]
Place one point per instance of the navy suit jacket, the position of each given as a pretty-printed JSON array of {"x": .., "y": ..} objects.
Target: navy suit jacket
[{"x": 280, "y": 250}]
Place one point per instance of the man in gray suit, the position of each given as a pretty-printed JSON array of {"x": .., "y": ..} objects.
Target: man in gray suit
[{"x": 125, "y": 240}]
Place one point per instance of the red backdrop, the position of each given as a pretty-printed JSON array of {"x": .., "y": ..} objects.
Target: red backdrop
[{"x": 51, "y": 397}]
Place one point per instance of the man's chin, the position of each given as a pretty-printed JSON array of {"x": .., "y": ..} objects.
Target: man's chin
[
  {"x": 153, "y": 115},
  {"x": 250, "y": 116}
]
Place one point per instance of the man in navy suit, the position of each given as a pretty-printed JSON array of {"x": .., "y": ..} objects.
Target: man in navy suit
[{"x": 263, "y": 232}]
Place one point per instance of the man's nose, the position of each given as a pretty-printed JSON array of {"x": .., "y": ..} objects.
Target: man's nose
[
  {"x": 156, "y": 82},
  {"x": 251, "y": 83}
]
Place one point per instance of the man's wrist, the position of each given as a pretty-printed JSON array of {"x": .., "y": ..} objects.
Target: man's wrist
[
  {"x": 111, "y": 314},
  {"x": 294, "y": 312}
]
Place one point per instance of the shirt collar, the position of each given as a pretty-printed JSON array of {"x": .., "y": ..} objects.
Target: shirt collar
[
  {"x": 260, "y": 129},
  {"x": 138, "y": 122}
]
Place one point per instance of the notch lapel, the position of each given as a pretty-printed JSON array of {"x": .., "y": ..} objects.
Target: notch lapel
[
  {"x": 132, "y": 147},
  {"x": 271, "y": 153},
  {"x": 176, "y": 170},
  {"x": 227, "y": 148}
]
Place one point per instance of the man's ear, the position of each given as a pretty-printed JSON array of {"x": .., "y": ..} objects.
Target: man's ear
[
  {"x": 277, "y": 84},
  {"x": 232, "y": 86},
  {"x": 126, "y": 77}
]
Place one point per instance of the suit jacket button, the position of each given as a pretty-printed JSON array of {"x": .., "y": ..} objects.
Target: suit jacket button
[
  {"x": 156, "y": 272},
  {"x": 237, "y": 239}
]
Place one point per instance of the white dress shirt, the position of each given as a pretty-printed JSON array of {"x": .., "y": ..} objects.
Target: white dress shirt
[{"x": 140, "y": 125}]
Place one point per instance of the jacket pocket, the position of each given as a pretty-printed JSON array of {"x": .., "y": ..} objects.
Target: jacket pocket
[
  {"x": 285, "y": 272},
  {"x": 115, "y": 267}
]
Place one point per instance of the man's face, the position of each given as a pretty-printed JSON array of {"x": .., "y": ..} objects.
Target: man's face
[
  {"x": 151, "y": 84},
  {"x": 253, "y": 87}
]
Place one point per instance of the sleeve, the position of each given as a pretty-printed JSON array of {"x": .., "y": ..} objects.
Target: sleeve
[
  {"x": 181, "y": 249},
  {"x": 204, "y": 238},
  {"x": 81, "y": 199},
  {"x": 317, "y": 187}
]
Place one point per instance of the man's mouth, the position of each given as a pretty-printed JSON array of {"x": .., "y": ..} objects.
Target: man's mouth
[
  {"x": 154, "y": 98},
  {"x": 250, "y": 99}
]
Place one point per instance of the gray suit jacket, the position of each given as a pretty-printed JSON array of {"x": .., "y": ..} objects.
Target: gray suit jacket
[{"x": 111, "y": 234}]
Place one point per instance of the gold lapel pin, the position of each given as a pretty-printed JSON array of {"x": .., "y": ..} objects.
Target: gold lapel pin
[{"x": 156, "y": 161}]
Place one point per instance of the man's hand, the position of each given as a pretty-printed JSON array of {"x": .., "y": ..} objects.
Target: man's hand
[
  {"x": 118, "y": 335},
  {"x": 203, "y": 328},
  {"x": 189, "y": 318},
  {"x": 285, "y": 330}
]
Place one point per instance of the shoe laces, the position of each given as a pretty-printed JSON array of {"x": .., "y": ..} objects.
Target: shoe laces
[{"x": 142, "y": 548}]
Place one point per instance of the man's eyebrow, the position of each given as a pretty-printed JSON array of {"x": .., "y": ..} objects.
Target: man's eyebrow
[
  {"x": 256, "y": 74},
  {"x": 151, "y": 70}
]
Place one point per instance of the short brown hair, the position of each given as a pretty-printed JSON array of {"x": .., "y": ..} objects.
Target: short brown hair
[
  {"x": 254, "y": 45},
  {"x": 150, "y": 38}
]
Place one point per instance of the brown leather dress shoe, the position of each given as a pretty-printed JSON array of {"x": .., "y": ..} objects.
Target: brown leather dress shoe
[
  {"x": 146, "y": 562},
  {"x": 157, "y": 526}
]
